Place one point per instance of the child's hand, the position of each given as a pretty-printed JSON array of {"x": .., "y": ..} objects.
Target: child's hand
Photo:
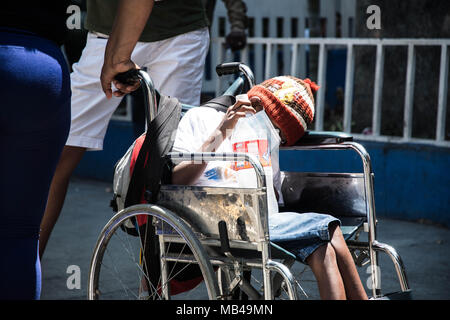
[{"x": 234, "y": 113}]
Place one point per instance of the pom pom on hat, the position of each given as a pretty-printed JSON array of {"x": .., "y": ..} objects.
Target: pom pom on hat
[
  {"x": 289, "y": 102},
  {"x": 314, "y": 87}
]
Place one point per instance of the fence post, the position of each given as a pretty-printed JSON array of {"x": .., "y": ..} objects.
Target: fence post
[
  {"x": 259, "y": 49},
  {"x": 442, "y": 101},
  {"x": 268, "y": 60},
  {"x": 322, "y": 73},
  {"x": 378, "y": 91},
  {"x": 409, "y": 94},
  {"x": 349, "y": 81},
  {"x": 294, "y": 59},
  {"x": 220, "y": 54}
]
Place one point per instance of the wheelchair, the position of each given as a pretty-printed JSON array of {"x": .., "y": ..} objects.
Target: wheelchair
[{"x": 213, "y": 242}]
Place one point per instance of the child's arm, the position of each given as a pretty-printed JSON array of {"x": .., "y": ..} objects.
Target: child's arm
[{"x": 187, "y": 172}]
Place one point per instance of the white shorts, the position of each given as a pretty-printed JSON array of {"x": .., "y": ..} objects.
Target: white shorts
[{"x": 175, "y": 65}]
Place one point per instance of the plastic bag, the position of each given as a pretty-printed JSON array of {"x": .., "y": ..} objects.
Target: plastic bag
[{"x": 255, "y": 134}]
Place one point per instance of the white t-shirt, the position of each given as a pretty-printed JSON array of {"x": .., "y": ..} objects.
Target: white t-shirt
[{"x": 194, "y": 129}]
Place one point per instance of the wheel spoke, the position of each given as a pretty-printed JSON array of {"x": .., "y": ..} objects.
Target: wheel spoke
[{"x": 124, "y": 268}]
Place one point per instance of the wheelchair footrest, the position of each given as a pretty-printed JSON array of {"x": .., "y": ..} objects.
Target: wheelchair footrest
[{"x": 400, "y": 295}]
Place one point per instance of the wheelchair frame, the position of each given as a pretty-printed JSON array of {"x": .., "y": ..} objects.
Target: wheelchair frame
[
  {"x": 208, "y": 234},
  {"x": 372, "y": 245}
]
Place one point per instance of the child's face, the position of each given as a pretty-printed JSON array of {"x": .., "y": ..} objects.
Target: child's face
[{"x": 256, "y": 104}]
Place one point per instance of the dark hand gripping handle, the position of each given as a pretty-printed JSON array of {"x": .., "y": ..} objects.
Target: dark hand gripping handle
[
  {"x": 132, "y": 76},
  {"x": 129, "y": 77}
]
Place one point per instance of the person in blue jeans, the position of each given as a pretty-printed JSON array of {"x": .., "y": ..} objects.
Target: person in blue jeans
[{"x": 34, "y": 124}]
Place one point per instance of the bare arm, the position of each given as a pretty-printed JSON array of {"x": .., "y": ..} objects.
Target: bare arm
[
  {"x": 187, "y": 172},
  {"x": 131, "y": 18},
  {"x": 237, "y": 15}
]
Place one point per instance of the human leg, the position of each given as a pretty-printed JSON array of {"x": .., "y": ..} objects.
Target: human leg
[
  {"x": 335, "y": 270},
  {"x": 91, "y": 110},
  {"x": 176, "y": 65},
  {"x": 307, "y": 235},
  {"x": 352, "y": 282},
  {"x": 90, "y": 114},
  {"x": 69, "y": 160},
  {"x": 326, "y": 271},
  {"x": 26, "y": 188},
  {"x": 34, "y": 123},
  {"x": 317, "y": 240}
]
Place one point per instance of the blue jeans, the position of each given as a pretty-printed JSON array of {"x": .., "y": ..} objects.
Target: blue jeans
[
  {"x": 34, "y": 124},
  {"x": 300, "y": 233}
]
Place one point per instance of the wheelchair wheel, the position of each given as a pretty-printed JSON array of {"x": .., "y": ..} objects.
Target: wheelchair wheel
[{"x": 164, "y": 261}]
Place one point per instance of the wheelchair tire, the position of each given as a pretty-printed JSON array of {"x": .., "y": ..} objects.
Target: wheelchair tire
[{"x": 127, "y": 267}]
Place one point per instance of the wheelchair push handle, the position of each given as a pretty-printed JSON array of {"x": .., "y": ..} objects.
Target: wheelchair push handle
[
  {"x": 227, "y": 68},
  {"x": 130, "y": 77},
  {"x": 235, "y": 68}
]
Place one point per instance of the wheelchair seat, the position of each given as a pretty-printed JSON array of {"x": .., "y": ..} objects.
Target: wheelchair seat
[{"x": 341, "y": 195}]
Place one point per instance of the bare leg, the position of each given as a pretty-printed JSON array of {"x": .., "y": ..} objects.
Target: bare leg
[
  {"x": 69, "y": 160},
  {"x": 324, "y": 266},
  {"x": 353, "y": 286}
]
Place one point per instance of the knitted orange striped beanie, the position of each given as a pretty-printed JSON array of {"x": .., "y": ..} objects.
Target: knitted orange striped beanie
[{"x": 289, "y": 102}]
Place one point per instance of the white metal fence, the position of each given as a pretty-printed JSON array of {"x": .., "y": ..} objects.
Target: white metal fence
[
  {"x": 282, "y": 19},
  {"x": 293, "y": 64},
  {"x": 278, "y": 44}
]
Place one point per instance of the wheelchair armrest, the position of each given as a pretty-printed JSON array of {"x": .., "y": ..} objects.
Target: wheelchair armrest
[{"x": 323, "y": 137}]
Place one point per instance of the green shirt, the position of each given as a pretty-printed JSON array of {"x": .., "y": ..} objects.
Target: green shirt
[{"x": 169, "y": 18}]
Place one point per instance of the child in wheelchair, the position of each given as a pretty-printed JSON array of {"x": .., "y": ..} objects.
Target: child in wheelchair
[{"x": 315, "y": 239}]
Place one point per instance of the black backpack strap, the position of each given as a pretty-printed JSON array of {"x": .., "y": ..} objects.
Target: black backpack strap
[
  {"x": 221, "y": 103},
  {"x": 157, "y": 144}
]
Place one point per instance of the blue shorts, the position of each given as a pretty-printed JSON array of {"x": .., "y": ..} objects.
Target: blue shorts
[{"x": 300, "y": 233}]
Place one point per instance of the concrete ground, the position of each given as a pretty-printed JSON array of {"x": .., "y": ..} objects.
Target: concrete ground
[{"x": 424, "y": 248}]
